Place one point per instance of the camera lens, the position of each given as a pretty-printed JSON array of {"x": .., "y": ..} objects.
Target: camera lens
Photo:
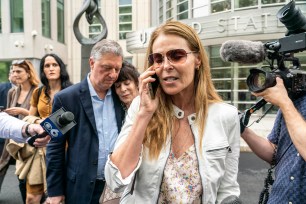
[
  {"x": 292, "y": 18},
  {"x": 259, "y": 80}
]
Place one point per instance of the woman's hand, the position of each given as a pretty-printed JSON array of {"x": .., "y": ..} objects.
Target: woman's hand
[
  {"x": 17, "y": 111},
  {"x": 147, "y": 104}
]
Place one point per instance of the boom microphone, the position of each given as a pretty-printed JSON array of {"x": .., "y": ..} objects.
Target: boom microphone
[
  {"x": 56, "y": 125},
  {"x": 243, "y": 51}
]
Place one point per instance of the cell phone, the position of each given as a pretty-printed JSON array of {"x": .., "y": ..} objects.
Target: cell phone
[
  {"x": 153, "y": 86},
  {"x": 2, "y": 108}
]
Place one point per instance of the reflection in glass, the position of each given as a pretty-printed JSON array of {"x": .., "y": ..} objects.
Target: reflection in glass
[
  {"x": 125, "y": 18},
  {"x": 226, "y": 96},
  {"x": 217, "y": 62},
  {"x": 221, "y": 73},
  {"x": 182, "y": 16},
  {"x": 272, "y": 1},
  {"x": 60, "y": 21},
  {"x": 125, "y": 9},
  {"x": 245, "y": 3},
  {"x": 182, "y": 7},
  {"x": 260, "y": 80},
  {"x": 222, "y": 84},
  {"x": 169, "y": 14},
  {"x": 16, "y": 11},
  {"x": 220, "y": 6},
  {"x": 246, "y": 96},
  {"x": 242, "y": 84},
  {"x": 125, "y": 27}
]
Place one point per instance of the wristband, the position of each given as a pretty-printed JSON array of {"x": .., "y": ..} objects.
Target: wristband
[{"x": 27, "y": 131}]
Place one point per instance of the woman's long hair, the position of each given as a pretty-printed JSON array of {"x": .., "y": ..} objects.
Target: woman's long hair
[
  {"x": 64, "y": 76},
  {"x": 161, "y": 124},
  {"x": 29, "y": 68}
]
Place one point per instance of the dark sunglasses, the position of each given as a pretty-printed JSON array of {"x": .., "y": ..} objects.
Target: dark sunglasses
[
  {"x": 176, "y": 56},
  {"x": 18, "y": 62}
]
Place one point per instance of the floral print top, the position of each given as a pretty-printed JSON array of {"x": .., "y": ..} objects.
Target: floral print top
[{"x": 181, "y": 181}]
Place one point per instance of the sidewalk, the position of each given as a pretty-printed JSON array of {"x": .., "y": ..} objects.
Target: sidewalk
[
  {"x": 252, "y": 172},
  {"x": 10, "y": 191}
]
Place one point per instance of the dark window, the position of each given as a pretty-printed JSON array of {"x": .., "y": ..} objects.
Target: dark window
[
  {"x": 16, "y": 8},
  {"x": 46, "y": 18},
  {"x": 60, "y": 21}
]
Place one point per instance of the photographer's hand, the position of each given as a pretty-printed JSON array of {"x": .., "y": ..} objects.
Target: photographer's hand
[
  {"x": 295, "y": 123},
  {"x": 276, "y": 95}
]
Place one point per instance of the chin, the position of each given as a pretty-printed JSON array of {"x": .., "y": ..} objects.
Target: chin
[{"x": 172, "y": 93}]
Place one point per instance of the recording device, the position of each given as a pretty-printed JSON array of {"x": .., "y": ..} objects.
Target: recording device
[
  {"x": 276, "y": 54},
  {"x": 2, "y": 108},
  {"x": 56, "y": 125},
  {"x": 153, "y": 86}
]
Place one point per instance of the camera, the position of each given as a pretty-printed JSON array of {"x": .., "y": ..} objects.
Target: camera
[{"x": 281, "y": 51}]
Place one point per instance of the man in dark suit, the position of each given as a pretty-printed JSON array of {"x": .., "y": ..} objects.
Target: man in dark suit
[
  {"x": 5, "y": 87},
  {"x": 75, "y": 162}
]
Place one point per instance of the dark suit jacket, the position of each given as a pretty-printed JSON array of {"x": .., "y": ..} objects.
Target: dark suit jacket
[
  {"x": 4, "y": 88},
  {"x": 75, "y": 175}
]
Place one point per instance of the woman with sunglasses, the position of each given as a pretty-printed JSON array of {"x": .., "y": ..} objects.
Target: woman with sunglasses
[
  {"x": 54, "y": 77},
  {"x": 19, "y": 99},
  {"x": 181, "y": 146}
]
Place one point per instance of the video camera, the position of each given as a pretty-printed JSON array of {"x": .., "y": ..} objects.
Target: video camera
[{"x": 281, "y": 51}]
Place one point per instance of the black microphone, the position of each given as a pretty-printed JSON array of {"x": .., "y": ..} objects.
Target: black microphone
[
  {"x": 56, "y": 125},
  {"x": 231, "y": 200},
  {"x": 65, "y": 118},
  {"x": 243, "y": 51}
]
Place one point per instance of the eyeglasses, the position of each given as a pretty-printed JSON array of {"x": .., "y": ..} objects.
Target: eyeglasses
[
  {"x": 177, "y": 56},
  {"x": 18, "y": 62}
]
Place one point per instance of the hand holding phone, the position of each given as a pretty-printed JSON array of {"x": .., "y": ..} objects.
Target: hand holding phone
[{"x": 153, "y": 86}]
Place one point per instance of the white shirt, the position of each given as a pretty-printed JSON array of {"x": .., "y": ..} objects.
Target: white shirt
[{"x": 11, "y": 128}]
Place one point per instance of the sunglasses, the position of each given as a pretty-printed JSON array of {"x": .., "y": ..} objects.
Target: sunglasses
[
  {"x": 177, "y": 56},
  {"x": 18, "y": 62}
]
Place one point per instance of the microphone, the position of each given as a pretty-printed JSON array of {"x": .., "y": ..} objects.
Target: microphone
[
  {"x": 56, "y": 125},
  {"x": 231, "y": 200},
  {"x": 243, "y": 51}
]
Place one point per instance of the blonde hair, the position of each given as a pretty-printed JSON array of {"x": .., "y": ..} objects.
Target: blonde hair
[{"x": 205, "y": 93}]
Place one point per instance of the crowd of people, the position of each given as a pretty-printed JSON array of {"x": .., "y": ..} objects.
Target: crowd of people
[{"x": 179, "y": 145}]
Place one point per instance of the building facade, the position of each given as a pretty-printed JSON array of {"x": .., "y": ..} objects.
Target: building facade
[
  {"x": 31, "y": 28},
  {"x": 217, "y": 21}
]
